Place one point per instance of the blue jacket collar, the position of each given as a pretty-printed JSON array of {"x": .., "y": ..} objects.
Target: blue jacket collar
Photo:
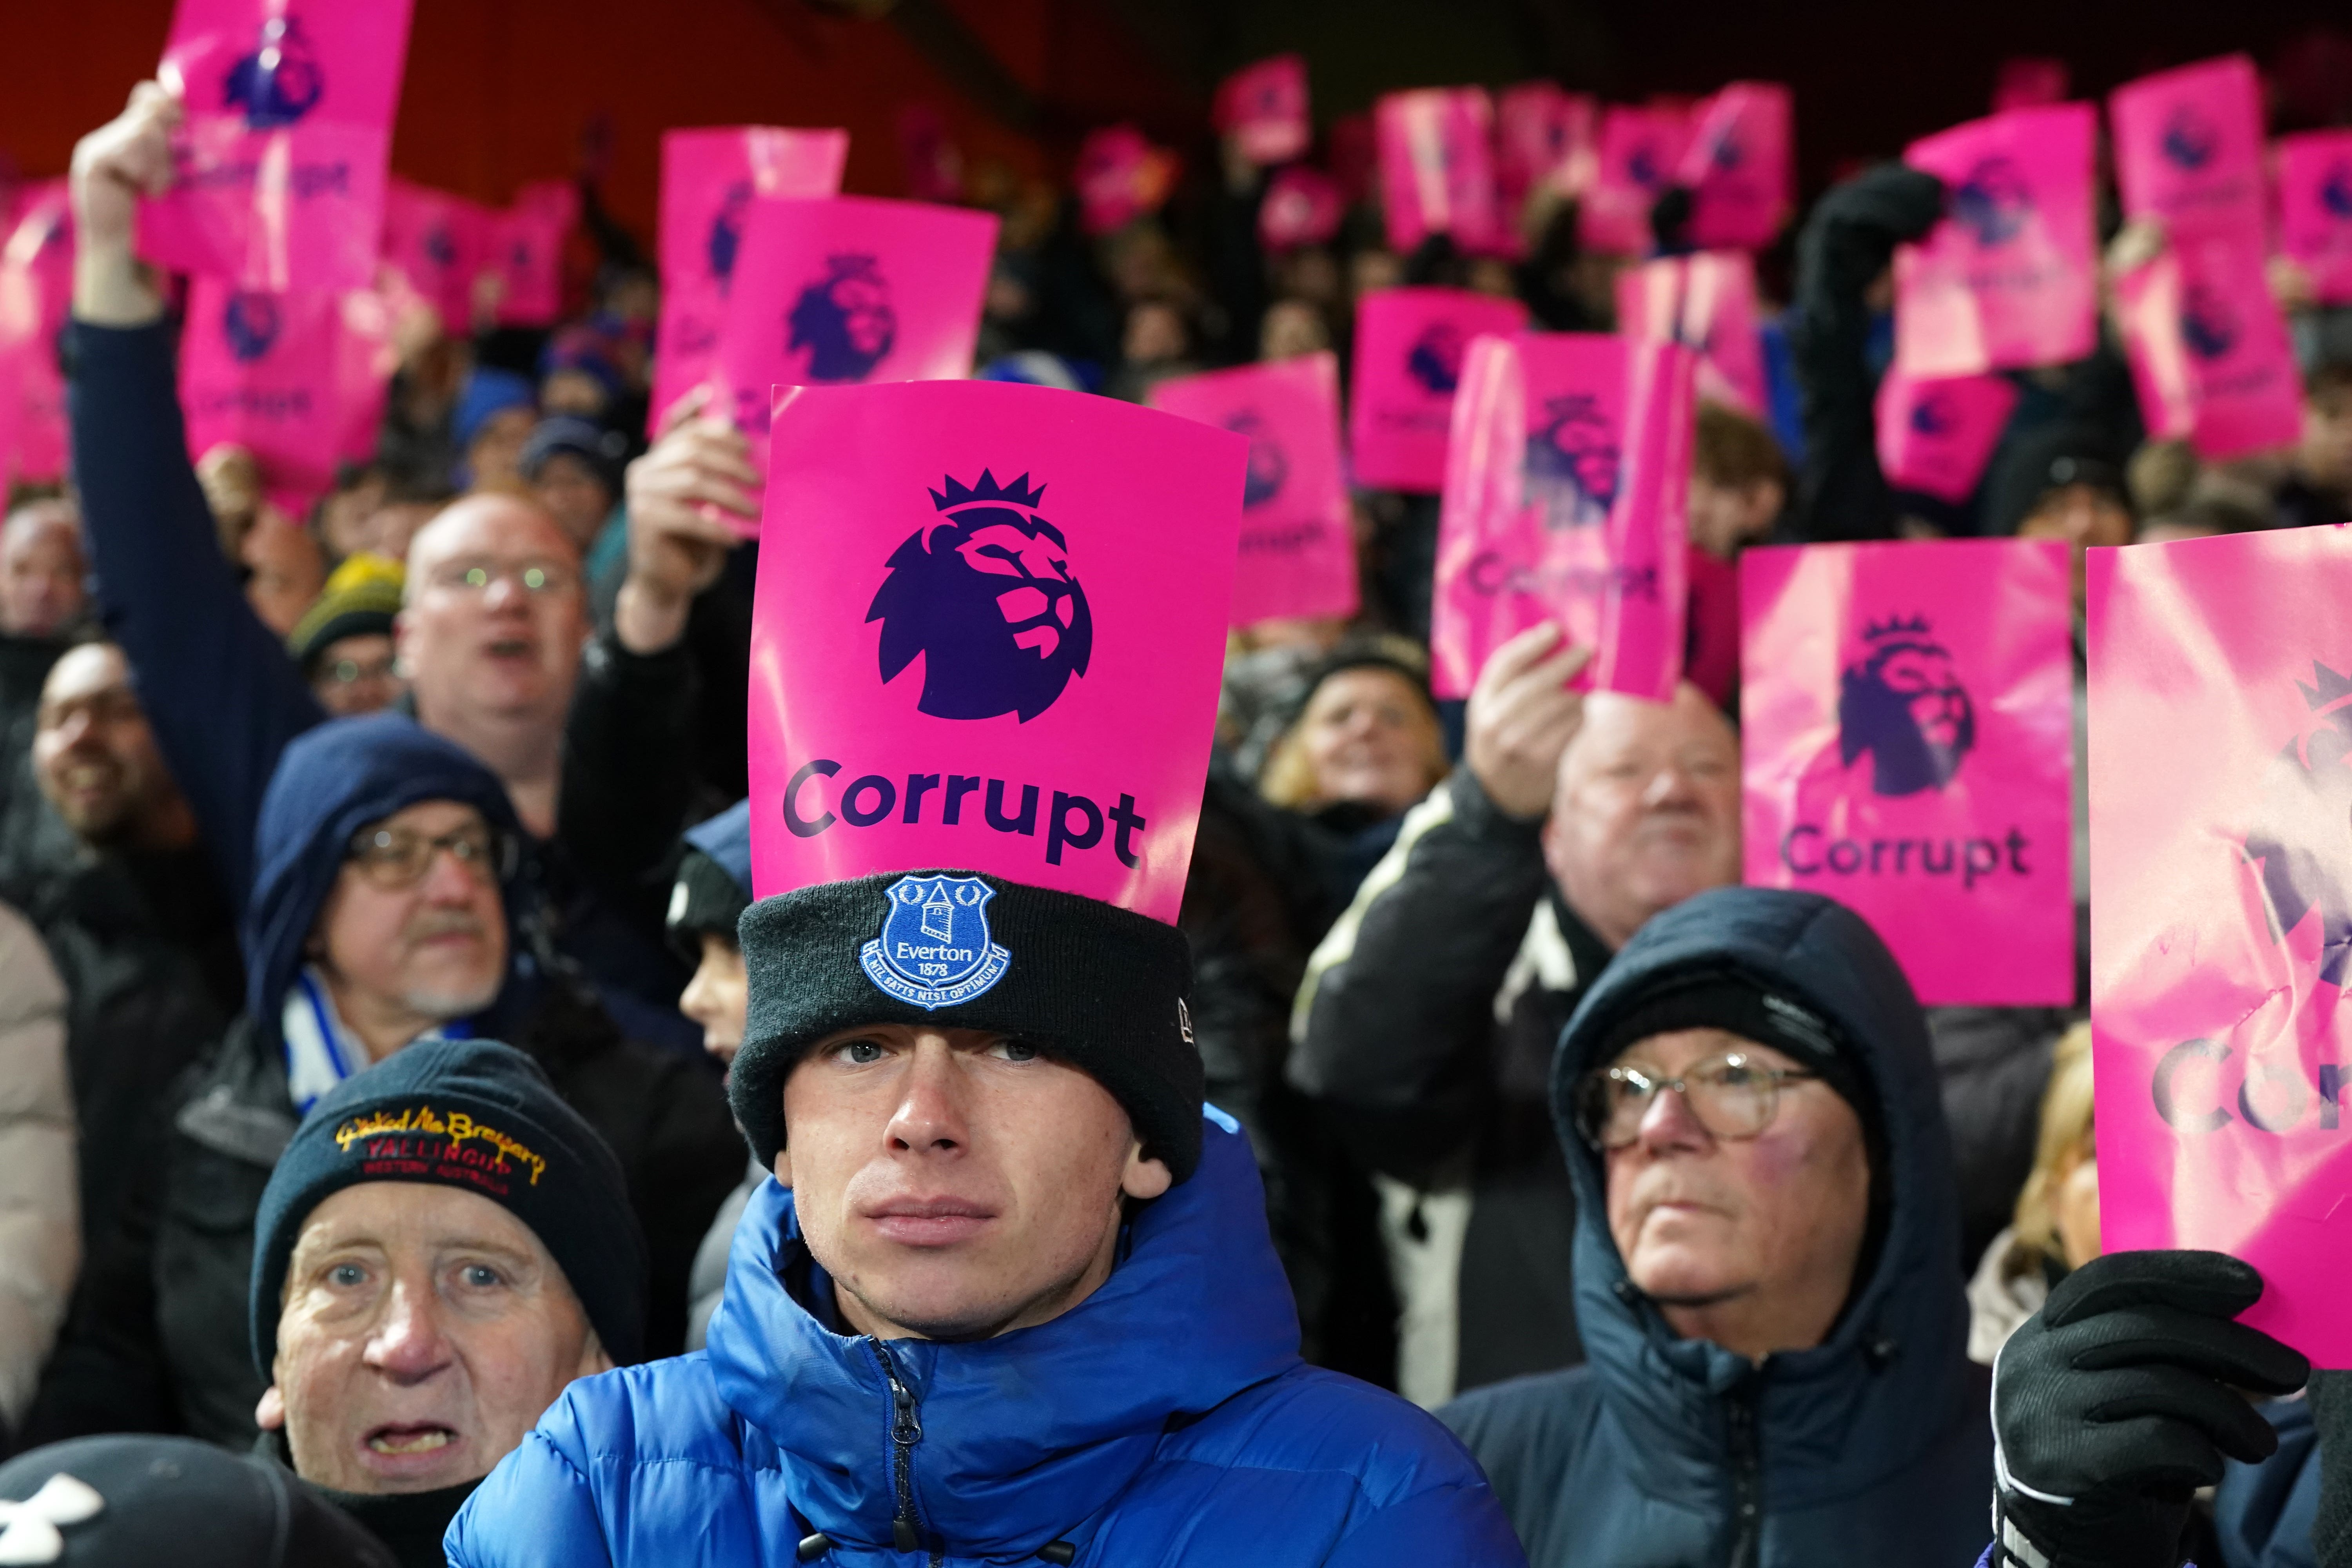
[{"x": 1027, "y": 1436}]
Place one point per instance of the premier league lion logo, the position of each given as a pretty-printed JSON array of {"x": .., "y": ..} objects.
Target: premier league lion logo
[
  {"x": 250, "y": 325},
  {"x": 934, "y": 951},
  {"x": 2208, "y": 325},
  {"x": 2336, "y": 190},
  {"x": 1571, "y": 463},
  {"x": 1269, "y": 466},
  {"x": 1934, "y": 416},
  {"x": 1903, "y": 703},
  {"x": 2300, "y": 840},
  {"x": 985, "y": 595},
  {"x": 1993, "y": 201},
  {"x": 2189, "y": 139},
  {"x": 844, "y": 321},
  {"x": 727, "y": 231},
  {"x": 1435, "y": 359},
  {"x": 279, "y": 82}
]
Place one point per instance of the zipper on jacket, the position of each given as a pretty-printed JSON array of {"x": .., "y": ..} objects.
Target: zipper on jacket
[
  {"x": 1746, "y": 1480},
  {"x": 906, "y": 1431}
]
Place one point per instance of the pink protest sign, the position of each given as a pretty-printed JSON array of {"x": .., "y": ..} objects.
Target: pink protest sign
[
  {"x": 1264, "y": 108},
  {"x": 928, "y": 156},
  {"x": 1437, "y": 168},
  {"x": 279, "y": 168},
  {"x": 1566, "y": 500},
  {"x": 1408, "y": 360},
  {"x": 1740, "y": 166},
  {"x": 1545, "y": 139},
  {"x": 36, "y": 290},
  {"x": 1121, "y": 177},
  {"x": 437, "y": 242},
  {"x": 2220, "y": 779},
  {"x": 2029, "y": 82},
  {"x": 2209, "y": 349},
  {"x": 2314, "y": 175},
  {"x": 1640, "y": 149},
  {"x": 1298, "y": 541},
  {"x": 987, "y": 635},
  {"x": 2188, "y": 148},
  {"x": 1707, "y": 303},
  {"x": 526, "y": 250},
  {"x": 280, "y": 376},
  {"x": 2010, "y": 277},
  {"x": 709, "y": 179},
  {"x": 1711, "y": 642},
  {"x": 1935, "y": 435},
  {"x": 849, "y": 288},
  {"x": 1301, "y": 206},
  {"x": 1907, "y": 737}
]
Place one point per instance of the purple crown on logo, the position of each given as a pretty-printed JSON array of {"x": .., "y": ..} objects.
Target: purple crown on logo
[{"x": 1019, "y": 492}]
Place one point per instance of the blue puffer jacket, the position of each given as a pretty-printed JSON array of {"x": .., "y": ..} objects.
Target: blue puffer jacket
[
  {"x": 1660, "y": 1452},
  {"x": 1165, "y": 1420}
]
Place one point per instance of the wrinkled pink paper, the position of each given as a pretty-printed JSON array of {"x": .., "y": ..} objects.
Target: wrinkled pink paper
[
  {"x": 1906, "y": 741},
  {"x": 1302, "y": 206},
  {"x": 2314, "y": 172},
  {"x": 709, "y": 179},
  {"x": 1297, "y": 541},
  {"x": 526, "y": 248},
  {"x": 35, "y": 292},
  {"x": 1935, "y": 435},
  {"x": 1567, "y": 490},
  {"x": 2219, "y": 788},
  {"x": 1640, "y": 147},
  {"x": 1740, "y": 166},
  {"x": 1409, "y": 348},
  {"x": 1711, "y": 642},
  {"x": 437, "y": 242},
  {"x": 2009, "y": 279},
  {"x": 1437, "y": 169},
  {"x": 2188, "y": 148},
  {"x": 2209, "y": 349},
  {"x": 297, "y": 379},
  {"x": 1024, "y": 686},
  {"x": 849, "y": 288},
  {"x": 1264, "y": 108},
  {"x": 1707, "y": 304},
  {"x": 1121, "y": 177},
  {"x": 278, "y": 167}
]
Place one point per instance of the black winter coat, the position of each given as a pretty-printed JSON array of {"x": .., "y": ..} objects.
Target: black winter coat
[
  {"x": 158, "y": 1339},
  {"x": 1668, "y": 1453}
]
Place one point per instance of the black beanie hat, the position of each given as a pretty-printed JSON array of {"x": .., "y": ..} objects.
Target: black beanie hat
[
  {"x": 134, "y": 1501},
  {"x": 480, "y": 1116},
  {"x": 1087, "y": 982}
]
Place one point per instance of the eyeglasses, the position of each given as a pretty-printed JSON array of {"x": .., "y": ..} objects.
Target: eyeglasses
[
  {"x": 533, "y": 577},
  {"x": 1732, "y": 1096},
  {"x": 344, "y": 672},
  {"x": 397, "y": 857}
]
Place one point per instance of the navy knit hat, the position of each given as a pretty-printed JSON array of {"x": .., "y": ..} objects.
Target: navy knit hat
[
  {"x": 332, "y": 782},
  {"x": 480, "y": 1116},
  {"x": 714, "y": 881},
  {"x": 1087, "y": 982}
]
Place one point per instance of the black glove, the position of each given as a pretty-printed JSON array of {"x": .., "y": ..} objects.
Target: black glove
[{"x": 2118, "y": 1399}]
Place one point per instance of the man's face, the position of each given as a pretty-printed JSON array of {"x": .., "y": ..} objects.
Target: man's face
[
  {"x": 93, "y": 754},
  {"x": 435, "y": 947},
  {"x": 571, "y": 491},
  {"x": 2081, "y": 516},
  {"x": 494, "y": 457},
  {"x": 423, "y": 1333},
  {"x": 41, "y": 573},
  {"x": 1773, "y": 1221},
  {"x": 287, "y": 570},
  {"x": 1725, "y": 518},
  {"x": 357, "y": 675},
  {"x": 1372, "y": 739},
  {"x": 955, "y": 1183},
  {"x": 496, "y": 615},
  {"x": 2325, "y": 456},
  {"x": 1646, "y": 810},
  {"x": 718, "y": 997}
]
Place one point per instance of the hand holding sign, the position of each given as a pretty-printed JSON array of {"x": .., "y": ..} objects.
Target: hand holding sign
[
  {"x": 682, "y": 497},
  {"x": 1521, "y": 718}
]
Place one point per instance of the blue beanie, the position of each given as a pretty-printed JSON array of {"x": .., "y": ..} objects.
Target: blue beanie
[{"x": 488, "y": 392}]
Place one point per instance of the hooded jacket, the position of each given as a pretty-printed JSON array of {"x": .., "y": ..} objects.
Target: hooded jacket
[
  {"x": 1670, "y": 1453},
  {"x": 1166, "y": 1419}
]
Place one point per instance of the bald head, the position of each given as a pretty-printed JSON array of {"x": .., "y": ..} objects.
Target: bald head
[
  {"x": 506, "y": 524},
  {"x": 1645, "y": 811}
]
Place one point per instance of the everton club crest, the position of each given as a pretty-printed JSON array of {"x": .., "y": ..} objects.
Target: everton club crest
[{"x": 934, "y": 951}]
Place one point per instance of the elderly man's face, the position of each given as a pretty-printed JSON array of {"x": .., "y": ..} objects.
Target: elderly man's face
[
  {"x": 41, "y": 572},
  {"x": 1763, "y": 1231},
  {"x": 424, "y": 1331},
  {"x": 414, "y": 926},
  {"x": 1646, "y": 810},
  {"x": 93, "y": 754},
  {"x": 497, "y": 615},
  {"x": 956, "y": 1184}
]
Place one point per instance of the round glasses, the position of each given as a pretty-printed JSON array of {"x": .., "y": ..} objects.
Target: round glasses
[
  {"x": 534, "y": 577},
  {"x": 397, "y": 857},
  {"x": 1733, "y": 1096}
]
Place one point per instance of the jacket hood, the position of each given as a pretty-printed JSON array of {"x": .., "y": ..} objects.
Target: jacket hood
[
  {"x": 1027, "y": 1436},
  {"x": 332, "y": 781},
  {"x": 726, "y": 839},
  {"x": 1885, "y": 1386}
]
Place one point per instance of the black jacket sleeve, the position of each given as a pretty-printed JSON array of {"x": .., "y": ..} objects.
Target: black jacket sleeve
[
  {"x": 628, "y": 773},
  {"x": 220, "y": 692},
  {"x": 1395, "y": 1021},
  {"x": 1852, "y": 235}
]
